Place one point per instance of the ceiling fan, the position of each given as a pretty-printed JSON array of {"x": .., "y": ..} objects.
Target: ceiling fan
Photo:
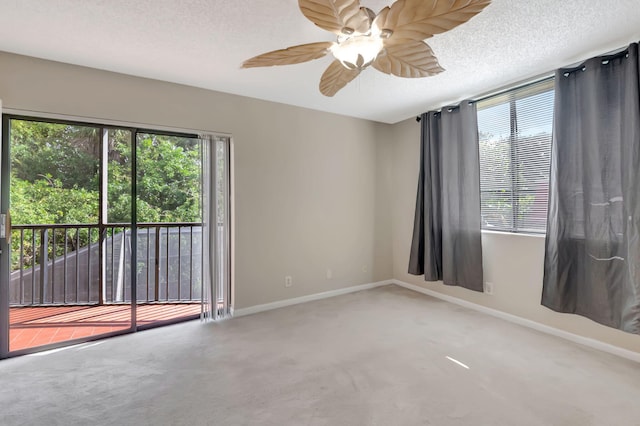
[{"x": 391, "y": 41}]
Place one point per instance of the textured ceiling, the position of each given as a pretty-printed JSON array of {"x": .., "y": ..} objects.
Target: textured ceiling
[{"x": 203, "y": 42}]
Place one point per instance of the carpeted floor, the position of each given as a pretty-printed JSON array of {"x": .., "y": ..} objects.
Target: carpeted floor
[{"x": 387, "y": 356}]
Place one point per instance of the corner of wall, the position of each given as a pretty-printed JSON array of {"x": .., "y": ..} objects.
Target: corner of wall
[{"x": 383, "y": 269}]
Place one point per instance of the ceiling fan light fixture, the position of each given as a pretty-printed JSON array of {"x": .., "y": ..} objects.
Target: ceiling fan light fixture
[
  {"x": 358, "y": 51},
  {"x": 391, "y": 41}
]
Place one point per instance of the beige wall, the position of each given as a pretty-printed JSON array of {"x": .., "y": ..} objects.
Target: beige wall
[
  {"x": 310, "y": 187},
  {"x": 513, "y": 263}
]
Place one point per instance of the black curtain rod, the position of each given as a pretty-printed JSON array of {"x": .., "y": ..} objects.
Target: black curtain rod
[
  {"x": 566, "y": 72},
  {"x": 501, "y": 92},
  {"x": 604, "y": 60}
]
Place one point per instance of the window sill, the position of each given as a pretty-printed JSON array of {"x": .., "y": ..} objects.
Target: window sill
[{"x": 516, "y": 234}]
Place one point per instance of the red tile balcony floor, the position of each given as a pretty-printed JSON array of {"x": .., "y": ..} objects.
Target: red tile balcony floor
[{"x": 36, "y": 326}]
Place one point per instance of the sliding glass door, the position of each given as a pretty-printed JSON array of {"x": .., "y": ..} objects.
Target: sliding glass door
[
  {"x": 59, "y": 252},
  {"x": 169, "y": 227},
  {"x": 104, "y": 216}
]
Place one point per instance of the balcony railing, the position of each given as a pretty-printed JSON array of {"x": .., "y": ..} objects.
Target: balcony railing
[{"x": 91, "y": 264}]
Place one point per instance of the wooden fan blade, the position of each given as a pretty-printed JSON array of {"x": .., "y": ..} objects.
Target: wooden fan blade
[
  {"x": 335, "y": 78},
  {"x": 420, "y": 19},
  {"x": 290, "y": 55},
  {"x": 409, "y": 59},
  {"x": 337, "y": 16}
]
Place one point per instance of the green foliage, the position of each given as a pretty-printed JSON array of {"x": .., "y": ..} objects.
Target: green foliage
[
  {"x": 168, "y": 179},
  {"x": 55, "y": 175},
  {"x": 68, "y": 154},
  {"x": 46, "y": 201}
]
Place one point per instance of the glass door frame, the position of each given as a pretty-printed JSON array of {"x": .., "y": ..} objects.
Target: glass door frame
[
  {"x": 134, "y": 226},
  {"x": 5, "y": 247},
  {"x": 5, "y": 262},
  {"x": 5, "y": 244}
]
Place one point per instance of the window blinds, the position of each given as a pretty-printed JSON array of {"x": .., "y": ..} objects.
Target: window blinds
[{"x": 515, "y": 154}]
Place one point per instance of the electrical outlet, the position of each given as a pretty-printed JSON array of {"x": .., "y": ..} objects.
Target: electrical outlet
[
  {"x": 329, "y": 274},
  {"x": 365, "y": 268},
  {"x": 488, "y": 288},
  {"x": 288, "y": 281}
]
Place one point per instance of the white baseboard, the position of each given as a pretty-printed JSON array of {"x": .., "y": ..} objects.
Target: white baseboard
[
  {"x": 592, "y": 343},
  {"x": 297, "y": 300}
]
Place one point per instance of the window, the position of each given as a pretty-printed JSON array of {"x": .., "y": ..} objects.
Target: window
[{"x": 515, "y": 156}]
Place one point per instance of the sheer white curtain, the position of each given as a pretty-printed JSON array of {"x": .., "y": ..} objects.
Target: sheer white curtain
[{"x": 215, "y": 227}]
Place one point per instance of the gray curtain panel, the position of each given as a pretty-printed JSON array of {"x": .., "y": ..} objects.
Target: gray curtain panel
[
  {"x": 593, "y": 241},
  {"x": 446, "y": 235}
]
